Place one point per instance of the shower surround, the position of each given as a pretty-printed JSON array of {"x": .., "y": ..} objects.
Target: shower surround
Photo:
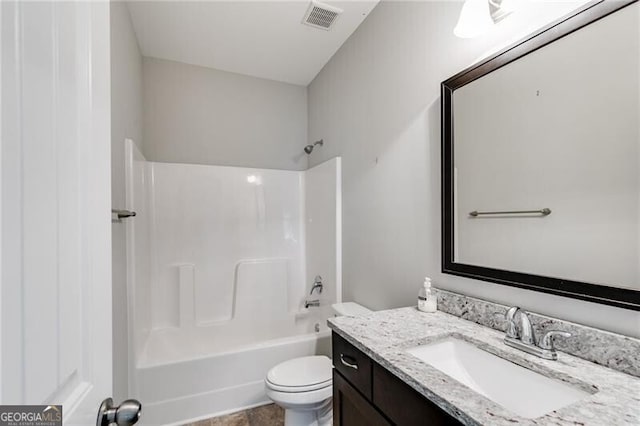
[{"x": 220, "y": 262}]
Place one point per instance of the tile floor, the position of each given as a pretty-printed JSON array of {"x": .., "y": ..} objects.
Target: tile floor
[{"x": 266, "y": 415}]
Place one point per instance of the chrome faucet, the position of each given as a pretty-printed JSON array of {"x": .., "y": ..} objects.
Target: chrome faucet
[
  {"x": 317, "y": 283},
  {"x": 524, "y": 327},
  {"x": 521, "y": 335},
  {"x": 308, "y": 303}
]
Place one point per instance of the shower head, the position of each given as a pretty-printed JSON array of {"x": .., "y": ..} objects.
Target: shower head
[{"x": 309, "y": 148}]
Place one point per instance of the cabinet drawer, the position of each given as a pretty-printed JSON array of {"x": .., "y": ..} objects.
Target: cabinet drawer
[{"x": 354, "y": 365}]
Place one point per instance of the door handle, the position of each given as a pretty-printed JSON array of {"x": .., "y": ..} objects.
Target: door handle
[{"x": 126, "y": 414}]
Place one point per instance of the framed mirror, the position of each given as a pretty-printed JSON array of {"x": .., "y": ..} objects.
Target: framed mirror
[{"x": 541, "y": 160}]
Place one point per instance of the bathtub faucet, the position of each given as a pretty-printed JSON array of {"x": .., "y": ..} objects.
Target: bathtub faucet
[
  {"x": 317, "y": 283},
  {"x": 308, "y": 303}
]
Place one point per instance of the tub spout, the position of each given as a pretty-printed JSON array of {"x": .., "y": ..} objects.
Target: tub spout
[{"x": 308, "y": 303}]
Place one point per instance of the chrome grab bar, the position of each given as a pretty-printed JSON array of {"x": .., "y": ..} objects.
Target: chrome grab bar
[
  {"x": 544, "y": 212},
  {"x": 352, "y": 364}
]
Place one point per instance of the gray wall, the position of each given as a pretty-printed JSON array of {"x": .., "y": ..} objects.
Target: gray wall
[
  {"x": 200, "y": 115},
  {"x": 376, "y": 104},
  {"x": 126, "y": 122}
]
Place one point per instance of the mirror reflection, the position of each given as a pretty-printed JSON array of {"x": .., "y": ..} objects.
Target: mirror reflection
[{"x": 547, "y": 159}]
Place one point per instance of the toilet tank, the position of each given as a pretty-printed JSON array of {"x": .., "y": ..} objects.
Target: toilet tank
[{"x": 349, "y": 309}]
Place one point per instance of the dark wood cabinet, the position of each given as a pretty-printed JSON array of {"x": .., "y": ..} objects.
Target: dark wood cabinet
[
  {"x": 402, "y": 404},
  {"x": 365, "y": 393},
  {"x": 350, "y": 407}
]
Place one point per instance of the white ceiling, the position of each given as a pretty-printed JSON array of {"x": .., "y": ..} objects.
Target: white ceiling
[{"x": 259, "y": 38}]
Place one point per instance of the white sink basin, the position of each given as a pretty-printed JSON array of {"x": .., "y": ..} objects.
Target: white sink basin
[{"x": 519, "y": 390}]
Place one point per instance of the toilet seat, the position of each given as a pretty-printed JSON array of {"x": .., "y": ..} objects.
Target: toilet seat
[
  {"x": 304, "y": 374},
  {"x": 298, "y": 389},
  {"x": 301, "y": 401}
]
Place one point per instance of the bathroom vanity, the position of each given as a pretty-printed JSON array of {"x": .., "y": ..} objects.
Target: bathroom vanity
[
  {"x": 387, "y": 372},
  {"x": 364, "y": 392}
]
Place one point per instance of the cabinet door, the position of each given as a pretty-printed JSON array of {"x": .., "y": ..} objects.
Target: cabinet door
[
  {"x": 403, "y": 405},
  {"x": 350, "y": 408}
]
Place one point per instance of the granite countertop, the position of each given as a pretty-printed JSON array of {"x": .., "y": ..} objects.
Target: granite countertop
[{"x": 383, "y": 336}]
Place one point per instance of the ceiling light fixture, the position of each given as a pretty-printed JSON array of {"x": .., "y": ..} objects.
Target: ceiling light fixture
[{"x": 478, "y": 16}]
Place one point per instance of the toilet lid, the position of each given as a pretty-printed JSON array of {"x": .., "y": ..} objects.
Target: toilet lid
[{"x": 301, "y": 374}]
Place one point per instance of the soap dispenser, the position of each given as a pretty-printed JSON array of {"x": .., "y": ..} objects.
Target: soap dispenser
[{"x": 427, "y": 301}]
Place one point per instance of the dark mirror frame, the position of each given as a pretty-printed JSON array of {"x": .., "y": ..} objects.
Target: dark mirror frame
[{"x": 620, "y": 297}]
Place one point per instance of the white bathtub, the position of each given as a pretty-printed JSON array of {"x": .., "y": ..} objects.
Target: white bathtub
[
  {"x": 177, "y": 392},
  {"x": 220, "y": 262}
]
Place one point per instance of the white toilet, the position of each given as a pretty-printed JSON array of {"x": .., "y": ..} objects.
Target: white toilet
[{"x": 303, "y": 386}]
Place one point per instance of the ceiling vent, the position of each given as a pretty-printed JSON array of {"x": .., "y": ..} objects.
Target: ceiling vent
[{"x": 321, "y": 15}]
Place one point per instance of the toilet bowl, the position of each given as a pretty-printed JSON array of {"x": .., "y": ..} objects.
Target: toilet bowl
[{"x": 303, "y": 386}]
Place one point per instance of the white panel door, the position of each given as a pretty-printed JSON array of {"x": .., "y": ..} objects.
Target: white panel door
[{"x": 55, "y": 263}]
